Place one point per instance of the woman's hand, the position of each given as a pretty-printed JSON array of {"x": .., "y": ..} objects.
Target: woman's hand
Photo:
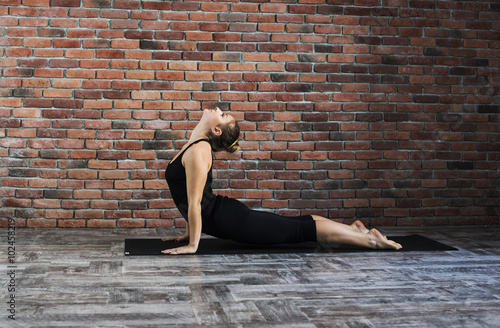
[
  {"x": 188, "y": 249},
  {"x": 177, "y": 239}
]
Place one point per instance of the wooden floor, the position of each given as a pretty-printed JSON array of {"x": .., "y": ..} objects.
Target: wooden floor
[{"x": 80, "y": 278}]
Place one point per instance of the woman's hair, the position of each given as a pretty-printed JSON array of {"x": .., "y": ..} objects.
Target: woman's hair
[{"x": 227, "y": 140}]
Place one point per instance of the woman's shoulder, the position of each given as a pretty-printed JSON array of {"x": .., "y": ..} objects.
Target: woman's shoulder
[
  {"x": 199, "y": 151},
  {"x": 202, "y": 144}
]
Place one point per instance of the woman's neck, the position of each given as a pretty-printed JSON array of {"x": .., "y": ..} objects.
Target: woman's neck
[{"x": 199, "y": 132}]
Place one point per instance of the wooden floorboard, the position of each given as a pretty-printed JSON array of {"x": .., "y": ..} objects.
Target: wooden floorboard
[{"x": 81, "y": 278}]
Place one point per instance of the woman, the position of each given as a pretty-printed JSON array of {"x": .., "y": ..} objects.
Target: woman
[{"x": 189, "y": 176}]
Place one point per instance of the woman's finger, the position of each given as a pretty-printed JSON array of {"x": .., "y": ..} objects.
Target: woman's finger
[
  {"x": 171, "y": 251},
  {"x": 180, "y": 250}
]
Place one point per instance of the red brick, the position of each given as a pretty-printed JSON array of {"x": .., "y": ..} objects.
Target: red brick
[
  {"x": 110, "y": 54},
  {"x": 82, "y": 174},
  {"x": 101, "y": 224},
  {"x": 131, "y": 223},
  {"x": 163, "y": 223},
  {"x": 41, "y": 223},
  {"x": 71, "y": 223}
]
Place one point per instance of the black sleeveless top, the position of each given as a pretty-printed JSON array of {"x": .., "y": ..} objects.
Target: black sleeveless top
[{"x": 175, "y": 174}]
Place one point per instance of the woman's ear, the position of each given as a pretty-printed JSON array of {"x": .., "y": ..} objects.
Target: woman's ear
[{"x": 216, "y": 131}]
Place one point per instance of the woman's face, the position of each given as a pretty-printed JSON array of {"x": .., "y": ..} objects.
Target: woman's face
[{"x": 215, "y": 117}]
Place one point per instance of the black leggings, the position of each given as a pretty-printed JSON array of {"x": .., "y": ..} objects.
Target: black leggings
[{"x": 231, "y": 219}]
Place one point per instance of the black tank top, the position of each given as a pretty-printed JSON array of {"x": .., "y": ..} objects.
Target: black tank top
[{"x": 175, "y": 174}]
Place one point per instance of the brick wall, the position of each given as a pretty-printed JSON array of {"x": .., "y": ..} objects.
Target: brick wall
[{"x": 386, "y": 110}]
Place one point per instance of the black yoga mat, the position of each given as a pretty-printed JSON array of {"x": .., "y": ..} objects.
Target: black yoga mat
[{"x": 227, "y": 247}]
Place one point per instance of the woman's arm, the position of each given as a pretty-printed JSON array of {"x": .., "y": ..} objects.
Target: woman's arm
[{"x": 196, "y": 161}]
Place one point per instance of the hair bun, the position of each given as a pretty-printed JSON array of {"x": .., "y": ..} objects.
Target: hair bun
[{"x": 234, "y": 147}]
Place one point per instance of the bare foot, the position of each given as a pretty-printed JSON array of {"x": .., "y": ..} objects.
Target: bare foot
[
  {"x": 382, "y": 242},
  {"x": 359, "y": 227}
]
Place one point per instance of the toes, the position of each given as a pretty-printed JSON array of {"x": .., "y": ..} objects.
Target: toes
[
  {"x": 383, "y": 242},
  {"x": 396, "y": 245}
]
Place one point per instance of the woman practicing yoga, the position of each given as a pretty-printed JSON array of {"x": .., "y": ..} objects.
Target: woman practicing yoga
[{"x": 189, "y": 177}]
